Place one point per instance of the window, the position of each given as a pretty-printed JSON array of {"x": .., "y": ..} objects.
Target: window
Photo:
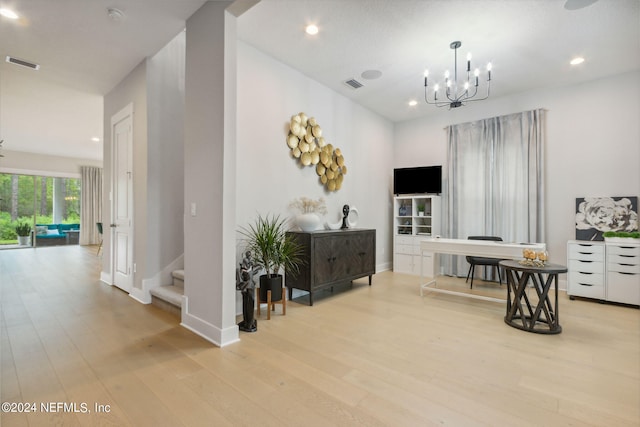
[{"x": 36, "y": 200}]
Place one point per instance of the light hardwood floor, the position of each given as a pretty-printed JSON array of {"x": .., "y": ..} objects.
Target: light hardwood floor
[{"x": 368, "y": 356}]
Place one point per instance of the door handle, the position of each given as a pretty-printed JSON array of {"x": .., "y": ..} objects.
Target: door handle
[{"x": 112, "y": 225}]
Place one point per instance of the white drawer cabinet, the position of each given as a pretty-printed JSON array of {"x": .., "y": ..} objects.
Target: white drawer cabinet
[
  {"x": 582, "y": 266},
  {"x": 586, "y": 269},
  {"x": 586, "y": 251},
  {"x": 604, "y": 271},
  {"x": 623, "y": 273}
]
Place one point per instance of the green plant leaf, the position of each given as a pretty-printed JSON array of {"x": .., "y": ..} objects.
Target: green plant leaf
[{"x": 270, "y": 246}]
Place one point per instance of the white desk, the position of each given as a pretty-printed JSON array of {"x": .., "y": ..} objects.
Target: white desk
[{"x": 480, "y": 248}]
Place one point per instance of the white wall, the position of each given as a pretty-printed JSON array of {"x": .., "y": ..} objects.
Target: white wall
[
  {"x": 592, "y": 149},
  {"x": 156, "y": 90},
  {"x": 209, "y": 175},
  {"x": 165, "y": 170},
  {"x": 268, "y": 178},
  {"x": 132, "y": 89}
]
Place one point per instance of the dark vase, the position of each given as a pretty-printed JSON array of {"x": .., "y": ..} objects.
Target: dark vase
[{"x": 272, "y": 282}]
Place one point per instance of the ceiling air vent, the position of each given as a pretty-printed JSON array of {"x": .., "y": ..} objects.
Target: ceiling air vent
[
  {"x": 354, "y": 83},
  {"x": 22, "y": 63}
]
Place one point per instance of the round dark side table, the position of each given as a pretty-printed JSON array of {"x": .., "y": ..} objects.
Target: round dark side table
[{"x": 539, "y": 316}]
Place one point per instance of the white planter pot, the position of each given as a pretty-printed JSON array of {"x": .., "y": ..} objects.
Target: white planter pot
[
  {"x": 308, "y": 221},
  {"x": 23, "y": 240}
]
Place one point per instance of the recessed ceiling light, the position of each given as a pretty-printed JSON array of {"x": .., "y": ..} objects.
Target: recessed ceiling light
[
  {"x": 95, "y": 139},
  {"x": 413, "y": 103},
  {"x": 7, "y": 13},
  {"x": 577, "y": 60},
  {"x": 371, "y": 74},
  {"x": 311, "y": 29}
]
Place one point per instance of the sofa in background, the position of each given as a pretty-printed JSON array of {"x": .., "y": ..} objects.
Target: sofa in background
[{"x": 57, "y": 234}]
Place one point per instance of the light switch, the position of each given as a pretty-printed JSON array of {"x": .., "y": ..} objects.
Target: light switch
[{"x": 193, "y": 209}]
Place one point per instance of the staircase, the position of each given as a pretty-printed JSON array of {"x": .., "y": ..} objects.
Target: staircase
[{"x": 169, "y": 297}]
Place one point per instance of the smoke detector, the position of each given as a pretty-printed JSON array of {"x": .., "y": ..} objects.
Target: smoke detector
[{"x": 115, "y": 15}]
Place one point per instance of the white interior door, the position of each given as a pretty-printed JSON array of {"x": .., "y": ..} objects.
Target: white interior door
[{"x": 122, "y": 199}]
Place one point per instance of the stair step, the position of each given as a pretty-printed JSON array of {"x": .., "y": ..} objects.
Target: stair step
[
  {"x": 171, "y": 294},
  {"x": 178, "y": 278}
]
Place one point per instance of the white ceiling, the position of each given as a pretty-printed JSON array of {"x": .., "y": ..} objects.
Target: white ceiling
[{"x": 84, "y": 54}]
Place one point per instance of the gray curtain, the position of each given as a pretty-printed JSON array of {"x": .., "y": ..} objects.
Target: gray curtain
[
  {"x": 494, "y": 182},
  {"x": 91, "y": 204}
]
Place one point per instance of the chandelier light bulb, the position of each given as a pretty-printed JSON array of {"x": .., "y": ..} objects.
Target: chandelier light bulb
[
  {"x": 426, "y": 73},
  {"x": 476, "y": 72},
  {"x": 469, "y": 56},
  {"x": 436, "y": 87},
  {"x": 489, "y": 66}
]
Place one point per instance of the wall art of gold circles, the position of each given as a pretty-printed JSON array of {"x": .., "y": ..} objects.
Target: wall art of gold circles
[{"x": 309, "y": 147}]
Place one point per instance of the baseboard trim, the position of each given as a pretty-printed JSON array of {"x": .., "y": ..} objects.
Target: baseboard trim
[
  {"x": 140, "y": 295},
  {"x": 386, "y": 266},
  {"x": 106, "y": 278},
  {"x": 211, "y": 333}
]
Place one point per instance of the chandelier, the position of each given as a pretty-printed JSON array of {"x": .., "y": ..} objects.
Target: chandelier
[{"x": 457, "y": 93}]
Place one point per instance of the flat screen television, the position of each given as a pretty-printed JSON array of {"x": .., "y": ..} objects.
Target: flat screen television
[{"x": 425, "y": 179}]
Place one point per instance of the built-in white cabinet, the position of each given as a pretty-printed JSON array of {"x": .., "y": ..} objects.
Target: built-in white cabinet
[
  {"x": 414, "y": 218},
  {"x": 604, "y": 271}
]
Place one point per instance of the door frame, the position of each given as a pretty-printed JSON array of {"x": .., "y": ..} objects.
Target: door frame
[{"x": 127, "y": 111}]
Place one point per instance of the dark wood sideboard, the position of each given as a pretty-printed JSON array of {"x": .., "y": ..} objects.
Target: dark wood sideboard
[{"x": 333, "y": 257}]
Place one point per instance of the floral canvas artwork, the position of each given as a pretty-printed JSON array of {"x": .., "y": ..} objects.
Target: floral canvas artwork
[{"x": 595, "y": 215}]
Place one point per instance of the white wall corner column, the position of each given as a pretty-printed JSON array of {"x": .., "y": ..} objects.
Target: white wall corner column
[{"x": 210, "y": 168}]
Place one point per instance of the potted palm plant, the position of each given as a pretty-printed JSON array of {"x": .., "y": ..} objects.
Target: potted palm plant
[
  {"x": 23, "y": 230},
  {"x": 272, "y": 250}
]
